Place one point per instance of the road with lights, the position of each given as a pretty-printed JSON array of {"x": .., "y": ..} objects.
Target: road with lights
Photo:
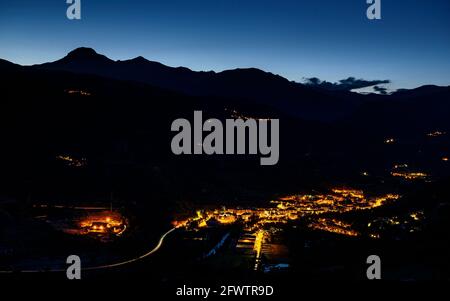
[{"x": 106, "y": 266}]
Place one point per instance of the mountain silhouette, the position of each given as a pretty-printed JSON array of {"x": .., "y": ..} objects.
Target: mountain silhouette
[
  {"x": 249, "y": 85},
  {"x": 118, "y": 114},
  {"x": 255, "y": 88}
]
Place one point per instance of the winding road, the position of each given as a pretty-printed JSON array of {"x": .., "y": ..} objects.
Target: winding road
[{"x": 106, "y": 266}]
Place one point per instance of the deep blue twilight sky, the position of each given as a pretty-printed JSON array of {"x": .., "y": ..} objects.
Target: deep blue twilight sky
[{"x": 329, "y": 39}]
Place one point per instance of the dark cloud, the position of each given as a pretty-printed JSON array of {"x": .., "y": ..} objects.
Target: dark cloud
[
  {"x": 313, "y": 81},
  {"x": 345, "y": 84},
  {"x": 381, "y": 90}
]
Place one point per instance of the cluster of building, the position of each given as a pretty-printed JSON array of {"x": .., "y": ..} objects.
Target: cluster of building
[
  {"x": 259, "y": 242},
  {"x": 290, "y": 208},
  {"x": 410, "y": 175},
  {"x": 238, "y": 115},
  {"x": 72, "y": 161},
  {"x": 403, "y": 171},
  {"x": 338, "y": 201},
  {"x": 78, "y": 92},
  {"x": 436, "y": 134},
  {"x": 103, "y": 223},
  {"x": 333, "y": 225},
  {"x": 397, "y": 225}
]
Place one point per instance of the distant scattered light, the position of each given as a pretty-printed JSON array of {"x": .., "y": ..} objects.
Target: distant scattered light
[{"x": 436, "y": 134}]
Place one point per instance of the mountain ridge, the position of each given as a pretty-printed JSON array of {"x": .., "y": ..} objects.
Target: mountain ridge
[{"x": 251, "y": 86}]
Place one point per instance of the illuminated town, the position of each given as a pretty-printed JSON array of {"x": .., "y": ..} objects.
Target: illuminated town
[
  {"x": 72, "y": 161},
  {"x": 291, "y": 208},
  {"x": 403, "y": 171},
  {"x": 333, "y": 226},
  {"x": 235, "y": 114},
  {"x": 436, "y": 134},
  {"x": 78, "y": 92},
  {"x": 103, "y": 223},
  {"x": 100, "y": 223},
  {"x": 258, "y": 236},
  {"x": 260, "y": 224},
  {"x": 410, "y": 175}
]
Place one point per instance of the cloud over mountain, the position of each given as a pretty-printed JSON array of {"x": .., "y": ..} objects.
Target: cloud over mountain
[
  {"x": 381, "y": 90},
  {"x": 347, "y": 84}
]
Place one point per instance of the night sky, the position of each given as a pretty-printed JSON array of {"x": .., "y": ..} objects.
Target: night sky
[{"x": 327, "y": 39}]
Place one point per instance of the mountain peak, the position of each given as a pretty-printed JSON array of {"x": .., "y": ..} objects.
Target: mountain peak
[
  {"x": 139, "y": 59},
  {"x": 85, "y": 53},
  {"x": 82, "y": 52}
]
